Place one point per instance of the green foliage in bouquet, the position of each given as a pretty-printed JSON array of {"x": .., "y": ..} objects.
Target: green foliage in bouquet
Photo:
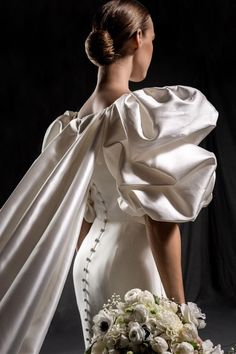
[{"x": 147, "y": 324}]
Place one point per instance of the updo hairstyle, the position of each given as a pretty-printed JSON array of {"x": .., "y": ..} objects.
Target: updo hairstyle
[{"x": 113, "y": 24}]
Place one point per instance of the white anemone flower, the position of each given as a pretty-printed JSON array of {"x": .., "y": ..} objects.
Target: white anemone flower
[{"x": 102, "y": 322}]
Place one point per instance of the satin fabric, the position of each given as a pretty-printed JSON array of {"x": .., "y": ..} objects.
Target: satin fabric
[
  {"x": 148, "y": 139},
  {"x": 158, "y": 168}
]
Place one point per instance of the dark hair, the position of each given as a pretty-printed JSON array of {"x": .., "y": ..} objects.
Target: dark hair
[{"x": 113, "y": 24}]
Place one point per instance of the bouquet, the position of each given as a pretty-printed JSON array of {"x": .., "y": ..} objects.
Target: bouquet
[{"x": 148, "y": 324}]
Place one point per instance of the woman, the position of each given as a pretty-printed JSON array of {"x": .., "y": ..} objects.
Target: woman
[
  {"x": 128, "y": 163},
  {"x": 116, "y": 251}
]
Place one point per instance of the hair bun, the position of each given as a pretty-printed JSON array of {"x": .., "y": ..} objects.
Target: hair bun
[{"x": 99, "y": 47}]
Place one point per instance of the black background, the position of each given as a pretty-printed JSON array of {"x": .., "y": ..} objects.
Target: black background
[{"x": 44, "y": 72}]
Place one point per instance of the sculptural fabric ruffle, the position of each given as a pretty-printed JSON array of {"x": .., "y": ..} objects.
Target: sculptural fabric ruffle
[{"x": 149, "y": 139}]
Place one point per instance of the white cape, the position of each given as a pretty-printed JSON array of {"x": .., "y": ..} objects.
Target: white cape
[{"x": 149, "y": 139}]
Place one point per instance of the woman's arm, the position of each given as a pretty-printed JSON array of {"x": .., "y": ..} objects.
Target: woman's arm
[
  {"x": 165, "y": 242},
  {"x": 83, "y": 232}
]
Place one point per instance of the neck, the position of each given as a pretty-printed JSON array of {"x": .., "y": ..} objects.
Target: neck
[{"x": 115, "y": 77}]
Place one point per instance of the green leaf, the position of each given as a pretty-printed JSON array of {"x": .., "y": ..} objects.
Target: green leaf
[
  {"x": 129, "y": 310},
  {"x": 194, "y": 344}
]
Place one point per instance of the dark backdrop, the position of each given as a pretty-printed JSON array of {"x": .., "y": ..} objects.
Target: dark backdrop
[{"x": 44, "y": 71}]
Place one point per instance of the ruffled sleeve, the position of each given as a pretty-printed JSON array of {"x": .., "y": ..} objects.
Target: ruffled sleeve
[{"x": 151, "y": 149}]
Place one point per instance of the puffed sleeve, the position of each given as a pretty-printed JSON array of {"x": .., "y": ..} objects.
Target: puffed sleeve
[{"x": 151, "y": 149}]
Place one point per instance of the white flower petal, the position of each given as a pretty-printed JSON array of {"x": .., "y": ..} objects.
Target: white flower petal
[
  {"x": 192, "y": 314},
  {"x": 132, "y": 295},
  {"x": 136, "y": 333},
  {"x": 183, "y": 348},
  {"x": 159, "y": 345}
]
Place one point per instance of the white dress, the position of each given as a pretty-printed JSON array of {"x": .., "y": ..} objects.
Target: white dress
[
  {"x": 115, "y": 255},
  {"x": 138, "y": 156},
  {"x": 157, "y": 128}
]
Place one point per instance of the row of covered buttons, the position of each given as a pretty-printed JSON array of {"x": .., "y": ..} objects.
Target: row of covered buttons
[{"x": 86, "y": 268}]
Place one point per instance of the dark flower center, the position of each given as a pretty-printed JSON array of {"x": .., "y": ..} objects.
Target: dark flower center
[{"x": 104, "y": 326}]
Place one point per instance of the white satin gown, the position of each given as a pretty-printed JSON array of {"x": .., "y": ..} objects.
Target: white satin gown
[
  {"x": 138, "y": 156},
  {"x": 149, "y": 164}
]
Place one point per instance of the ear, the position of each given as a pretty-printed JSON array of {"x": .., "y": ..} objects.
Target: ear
[{"x": 138, "y": 38}]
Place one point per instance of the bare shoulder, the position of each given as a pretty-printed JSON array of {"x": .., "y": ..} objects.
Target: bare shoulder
[{"x": 98, "y": 101}]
